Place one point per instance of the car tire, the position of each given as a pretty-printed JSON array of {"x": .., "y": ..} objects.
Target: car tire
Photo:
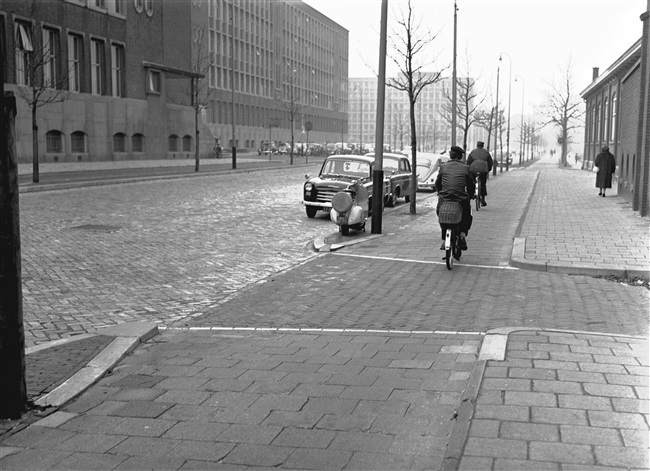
[
  {"x": 392, "y": 200},
  {"x": 311, "y": 211},
  {"x": 345, "y": 230}
]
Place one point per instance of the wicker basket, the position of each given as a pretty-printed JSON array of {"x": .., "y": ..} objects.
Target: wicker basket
[{"x": 450, "y": 212}]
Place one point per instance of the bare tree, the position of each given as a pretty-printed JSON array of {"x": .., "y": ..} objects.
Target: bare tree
[
  {"x": 42, "y": 77},
  {"x": 467, "y": 104},
  {"x": 408, "y": 44},
  {"x": 485, "y": 119},
  {"x": 201, "y": 92},
  {"x": 292, "y": 106},
  {"x": 563, "y": 108}
]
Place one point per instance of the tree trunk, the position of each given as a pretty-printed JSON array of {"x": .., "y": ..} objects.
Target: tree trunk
[
  {"x": 35, "y": 170},
  {"x": 414, "y": 162}
]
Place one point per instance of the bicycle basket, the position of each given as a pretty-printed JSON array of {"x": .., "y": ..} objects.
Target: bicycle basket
[{"x": 450, "y": 212}]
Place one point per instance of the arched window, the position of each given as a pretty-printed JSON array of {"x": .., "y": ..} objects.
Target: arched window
[
  {"x": 78, "y": 142},
  {"x": 119, "y": 142},
  {"x": 593, "y": 123},
  {"x": 173, "y": 143},
  {"x": 54, "y": 142},
  {"x": 598, "y": 122},
  {"x": 187, "y": 143},
  {"x": 137, "y": 143},
  {"x": 613, "y": 136}
]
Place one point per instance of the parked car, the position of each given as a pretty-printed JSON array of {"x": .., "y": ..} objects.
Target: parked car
[
  {"x": 428, "y": 166},
  {"x": 397, "y": 167},
  {"x": 337, "y": 173}
]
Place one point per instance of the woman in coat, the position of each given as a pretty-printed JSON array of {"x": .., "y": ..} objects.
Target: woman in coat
[{"x": 606, "y": 163}]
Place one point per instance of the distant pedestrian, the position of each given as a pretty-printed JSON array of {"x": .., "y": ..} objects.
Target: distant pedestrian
[
  {"x": 606, "y": 164},
  {"x": 480, "y": 164}
]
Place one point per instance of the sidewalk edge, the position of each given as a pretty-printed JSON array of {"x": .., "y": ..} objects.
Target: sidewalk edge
[{"x": 99, "y": 365}]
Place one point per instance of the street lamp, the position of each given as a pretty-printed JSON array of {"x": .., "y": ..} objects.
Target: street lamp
[
  {"x": 453, "y": 84},
  {"x": 509, "y": 95},
  {"x": 232, "y": 85},
  {"x": 496, "y": 126},
  {"x": 521, "y": 129}
]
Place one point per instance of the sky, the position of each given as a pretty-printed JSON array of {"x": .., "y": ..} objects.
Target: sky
[{"x": 539, "y": 36}]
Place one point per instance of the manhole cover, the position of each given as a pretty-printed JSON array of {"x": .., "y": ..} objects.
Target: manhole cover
[{"x": 97, "y": 228}]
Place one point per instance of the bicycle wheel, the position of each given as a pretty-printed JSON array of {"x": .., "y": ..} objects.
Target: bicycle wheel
[
  {"x": 477, "y": 198},
  {"x": 450, "y": 241}
]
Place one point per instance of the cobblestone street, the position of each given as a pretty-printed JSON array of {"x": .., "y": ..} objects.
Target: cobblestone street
[{"x": 156, "y": 251}]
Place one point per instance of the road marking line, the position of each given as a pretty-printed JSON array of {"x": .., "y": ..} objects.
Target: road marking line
[
  {"x": 426, "y": 262},
  {"x": 324, "y": 330}
]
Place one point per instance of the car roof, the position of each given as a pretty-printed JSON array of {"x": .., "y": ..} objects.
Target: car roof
[
  {"x": 362, "y": 158},
  {"x": 388, "y": 154}
]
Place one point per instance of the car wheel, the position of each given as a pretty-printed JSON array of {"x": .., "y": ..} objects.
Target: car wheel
[
  {"x": 311, "y": 211},
  {"x": 345, "y": 230},
  {"x": 392, "y": 200}
]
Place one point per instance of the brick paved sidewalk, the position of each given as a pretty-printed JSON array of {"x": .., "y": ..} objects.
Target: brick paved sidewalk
[{"x": 562, "y": 400}]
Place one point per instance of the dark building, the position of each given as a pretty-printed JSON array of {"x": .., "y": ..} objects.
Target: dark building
[
  {"x": 127, "y": 78},
  {"x": 618, "y": 115}
]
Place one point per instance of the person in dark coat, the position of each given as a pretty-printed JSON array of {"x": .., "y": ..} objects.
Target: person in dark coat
[{"x": 606, "y": 163}]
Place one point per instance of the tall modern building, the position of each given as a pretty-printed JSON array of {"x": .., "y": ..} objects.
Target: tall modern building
[
  {"x": 433, "y": 127},
  {"x": 125, "y": 79}
]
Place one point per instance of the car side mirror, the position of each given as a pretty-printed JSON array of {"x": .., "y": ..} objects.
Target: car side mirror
[{"x": 307, "y": 177}]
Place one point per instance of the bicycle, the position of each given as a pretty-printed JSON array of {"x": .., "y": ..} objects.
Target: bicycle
[
  {"x": 479, "y": 192},
  {"x": 450, "y": 214}
]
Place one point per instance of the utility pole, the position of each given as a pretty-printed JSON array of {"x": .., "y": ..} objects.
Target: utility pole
[
  {"x": 453, "y": 85},
  {"x": 13, "y": 394},
  {"x": 378, "y": 172},
  {"x": 496, "y": 126},
  {"x": 232, "y": 84}
]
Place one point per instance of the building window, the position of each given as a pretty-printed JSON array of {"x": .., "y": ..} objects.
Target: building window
[
  {"x": 606, "y": 120},
  {"x": 53, "y": 142},
  {"x": 155, "y": 81},
  {"x": 613, "y": 138},
  {"x": 148, "y": 6},
  {"x": 100, "y": 4},
  {"x": 74, "y": 63},
  {"x": 119, "y": 142},
  {"x": 97, "y": 66},
  {"x": 78, "y": 142},
  {"x": 187, "y": 143},
  {"x": 137, "y": 143},
  {"x": 139, "y": 5},
  {"x": 117, "y": 66},
  {"x": 50, "y": 57},
  {"x": 173, "y": 143},
  {"x": 115, "y": 7},
  {"x": 24, "y": 47}
]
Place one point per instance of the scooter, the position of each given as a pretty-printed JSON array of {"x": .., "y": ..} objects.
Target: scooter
[{"x": 350, "y": 208}]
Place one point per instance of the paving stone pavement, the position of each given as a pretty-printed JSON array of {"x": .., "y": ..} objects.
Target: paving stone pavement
[{"x": 368, "y": 358}]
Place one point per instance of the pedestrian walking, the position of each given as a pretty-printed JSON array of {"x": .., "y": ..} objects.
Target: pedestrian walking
[{"x": 606, "y": 165}]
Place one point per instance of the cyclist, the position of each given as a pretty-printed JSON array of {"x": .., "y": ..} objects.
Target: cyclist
[
  {"x": 480, "y": 163},
  {"x": 455, "y": 183}
]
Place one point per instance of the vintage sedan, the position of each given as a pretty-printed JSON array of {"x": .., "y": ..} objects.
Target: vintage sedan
[
  {"x": 397, "y": 168},
  {"x": 428, "y": 166},
  {"x": 338, "y": 173}
]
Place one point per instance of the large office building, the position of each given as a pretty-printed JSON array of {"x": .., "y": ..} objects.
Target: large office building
[
  {"x": 432, "y": 120},
  {"x": 136, "y": 79}
]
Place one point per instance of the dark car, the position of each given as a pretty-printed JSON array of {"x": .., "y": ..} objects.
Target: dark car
[
  {"x": 397, "y": 168},
  {"x": 338, "y": 173}
]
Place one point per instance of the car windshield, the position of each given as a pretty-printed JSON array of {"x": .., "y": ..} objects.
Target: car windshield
[{"x": 351, "y": 168}]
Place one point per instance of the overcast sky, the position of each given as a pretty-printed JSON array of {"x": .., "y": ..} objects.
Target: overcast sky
[{"x": 539, "y": 35}]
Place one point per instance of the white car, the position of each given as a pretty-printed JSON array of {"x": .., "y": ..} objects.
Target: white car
[{"x": 428, "y": 166}]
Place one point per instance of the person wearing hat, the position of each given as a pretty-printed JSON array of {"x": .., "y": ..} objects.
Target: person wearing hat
[
  {"x": 606, "y": 164},
  {"x": 480, "y": 163},
  {"x": 455, "y": 183}
]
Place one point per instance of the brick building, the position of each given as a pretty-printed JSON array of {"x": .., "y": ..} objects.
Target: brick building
[
  {"x": 618, "y": 115},
  {"x": 131, "y": 72}
]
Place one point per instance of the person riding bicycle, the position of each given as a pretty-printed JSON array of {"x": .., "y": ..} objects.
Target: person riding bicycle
[
  {"x": 480, "y": 163},
  {"x": 455, "y": 183}
]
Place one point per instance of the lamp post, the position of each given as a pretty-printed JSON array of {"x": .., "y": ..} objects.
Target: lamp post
[
  {"x": 453, "y": 85},
  {"x": 509, "y": 95},
  {"x": 232, "y": 85},
  {"x": 496, "y": 125},
  {"x": 521, "y": 129}
]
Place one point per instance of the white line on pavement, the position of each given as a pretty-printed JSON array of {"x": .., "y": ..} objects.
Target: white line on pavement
[{"x": 427, "y": 262}]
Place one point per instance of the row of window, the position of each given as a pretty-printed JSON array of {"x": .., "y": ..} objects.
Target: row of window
[
  {"x": 55, "y": 74},
  {"x": 600, "y": 115},
  {"x": 115, "y": 7},
  {"x": 54, "y": 142}
]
